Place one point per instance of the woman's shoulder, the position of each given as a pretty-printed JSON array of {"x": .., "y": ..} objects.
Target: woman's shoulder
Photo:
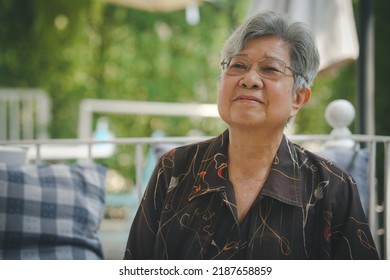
[{"x": 316, "y": 161}]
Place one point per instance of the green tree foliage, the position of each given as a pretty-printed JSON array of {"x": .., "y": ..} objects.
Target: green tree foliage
[
  {"x": 39, "y": 49},
  {"x": 333, "y": 84},
  {"x": 88, "y": 49}
]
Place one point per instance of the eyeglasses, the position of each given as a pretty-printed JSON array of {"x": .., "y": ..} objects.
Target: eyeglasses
[{"x": 269, "y": 68}]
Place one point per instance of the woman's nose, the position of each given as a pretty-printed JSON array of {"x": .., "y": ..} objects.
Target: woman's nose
[{"x": 251, "y": 79}]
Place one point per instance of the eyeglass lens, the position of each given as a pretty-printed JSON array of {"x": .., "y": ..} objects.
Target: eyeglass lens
[{"x": 268, "y": 68}]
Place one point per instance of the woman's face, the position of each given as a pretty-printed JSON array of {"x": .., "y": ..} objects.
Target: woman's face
[{"x": 252, "y": 101}]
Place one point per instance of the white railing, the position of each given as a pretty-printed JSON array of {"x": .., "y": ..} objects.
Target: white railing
[
  {"x": 24, "y": 113},
  {"x": 89, "y": 107}
]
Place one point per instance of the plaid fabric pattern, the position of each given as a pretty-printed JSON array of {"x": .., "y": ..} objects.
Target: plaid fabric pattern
[{"x": 51, "y": 211}]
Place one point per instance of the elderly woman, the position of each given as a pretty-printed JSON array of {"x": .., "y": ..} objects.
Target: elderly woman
[{"x": 250, "y": 193}]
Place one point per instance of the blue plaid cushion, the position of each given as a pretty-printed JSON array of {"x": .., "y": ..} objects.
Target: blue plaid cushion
[{"x": 51, "y": 211}]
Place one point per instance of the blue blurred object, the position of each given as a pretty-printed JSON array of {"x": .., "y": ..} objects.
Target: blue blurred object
[{"x": 103, "y": 133}]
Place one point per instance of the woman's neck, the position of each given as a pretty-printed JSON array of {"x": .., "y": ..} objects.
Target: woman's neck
[
  {"x": 250, "y": 157},
  {"x": 252, "y": 150}
]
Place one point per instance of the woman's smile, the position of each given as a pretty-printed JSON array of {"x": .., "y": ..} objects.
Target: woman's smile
[{"x": 247, "y": 99}]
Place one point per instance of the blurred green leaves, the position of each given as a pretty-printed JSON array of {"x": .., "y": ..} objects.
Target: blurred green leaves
[{"x": 88, "y": 49}]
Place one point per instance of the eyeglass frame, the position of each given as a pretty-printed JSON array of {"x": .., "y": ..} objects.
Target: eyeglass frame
[{"x": 225, "y": 63}]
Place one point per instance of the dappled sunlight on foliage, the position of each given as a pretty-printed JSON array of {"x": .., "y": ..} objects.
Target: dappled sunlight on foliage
[
  {"x": 89, "y": 49},
  {"x": 336, "y": 84}
]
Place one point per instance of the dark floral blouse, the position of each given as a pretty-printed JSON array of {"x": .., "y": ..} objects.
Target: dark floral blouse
[{"x": 307, "y": 209}]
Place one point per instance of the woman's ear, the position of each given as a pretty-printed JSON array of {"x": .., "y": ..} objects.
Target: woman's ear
[{"x": 301, "y": 97}]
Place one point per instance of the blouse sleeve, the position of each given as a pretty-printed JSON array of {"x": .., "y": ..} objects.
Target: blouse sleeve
[
  {"x": 351, "y": 235},
  {"x": 140, "y": 243}
]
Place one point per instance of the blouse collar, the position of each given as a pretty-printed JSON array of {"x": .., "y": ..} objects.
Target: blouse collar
[{"x": 282, "y": 183}]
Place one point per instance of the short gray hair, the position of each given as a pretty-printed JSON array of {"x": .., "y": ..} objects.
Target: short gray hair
[{"x": 305, "y": 58}]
